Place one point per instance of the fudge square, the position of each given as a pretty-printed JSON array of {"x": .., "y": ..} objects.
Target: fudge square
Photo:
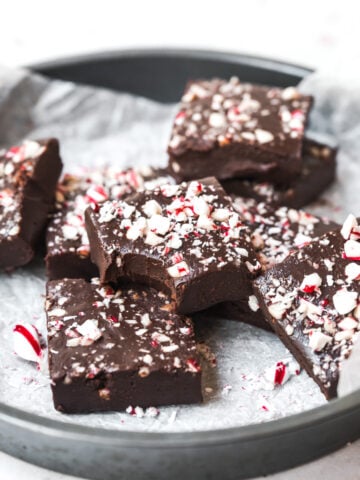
[
  {"x": 184, "y": 239},
  {"x": 68, "y": 250},
  {"x": 111, "y": 349},
  {"x": 230, "y": 129},
  {"x": 275, "y": 233},
  {"x": 317, "y": 173},
  {"x": 28, "y": 176},
  {"x": 312, "y": 302}
]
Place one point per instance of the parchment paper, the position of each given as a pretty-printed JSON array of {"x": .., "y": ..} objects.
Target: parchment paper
[{"x": 98, "y": 127}]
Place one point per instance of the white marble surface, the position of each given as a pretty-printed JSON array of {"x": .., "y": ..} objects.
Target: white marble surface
[{"x": 323, "y": 34}]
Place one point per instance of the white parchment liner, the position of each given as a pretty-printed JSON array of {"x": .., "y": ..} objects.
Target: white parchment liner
[{"x": 98, "y": 127}]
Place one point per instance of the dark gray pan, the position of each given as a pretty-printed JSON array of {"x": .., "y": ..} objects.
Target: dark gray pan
[{"x": 235, "y": 453}]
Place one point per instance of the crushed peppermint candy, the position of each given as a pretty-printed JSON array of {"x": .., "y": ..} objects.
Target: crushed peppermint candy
[
  {"x": 318, "y": 311},
  {"x": 311, "y": 283},
  {"x": 27, "y": 343},
  {"x": 97, "y": 332},
  {"x": 277, "y": 231},
  {"x": 188, "y": 230},
  {"x": 220, "y": 112},
  {"x": 93, "y": 187}
]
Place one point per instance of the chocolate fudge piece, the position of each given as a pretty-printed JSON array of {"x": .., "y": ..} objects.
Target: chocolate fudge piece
[
  {"x": 111, "y": 349},
  {"x": 184, "y": 239},
  {"x": 276, "y": 232},
  {"x": 317, "y": 173},
  {"x": 68, "y": 250},
  {"x": 312, "y": 302},
  {"x": 28, "y": 176},
  {"x": 230, "y": 129}
]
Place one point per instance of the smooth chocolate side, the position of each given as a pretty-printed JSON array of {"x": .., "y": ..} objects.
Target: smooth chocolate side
[{"x": 317, "y": 174}]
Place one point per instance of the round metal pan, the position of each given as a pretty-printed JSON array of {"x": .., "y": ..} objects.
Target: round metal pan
[{"x": 235, "y": 453}]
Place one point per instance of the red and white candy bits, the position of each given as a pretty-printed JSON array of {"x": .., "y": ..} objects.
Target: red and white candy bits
[{"x": 27, "y": 343}]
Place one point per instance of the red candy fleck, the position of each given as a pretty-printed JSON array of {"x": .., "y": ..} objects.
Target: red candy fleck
[
  {"x": 309, "y": 288},
  {"x": 193, "y": 365},
  {"x": 154, "y": 344},
  {"x": 12, "y": 152},
  {"x": 176, "y": 258},
  {"x": 280, "y": 372}
]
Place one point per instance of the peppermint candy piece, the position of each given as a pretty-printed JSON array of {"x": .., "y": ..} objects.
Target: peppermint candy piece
[
  {"x": 352, "y": 271},
  {"x": 345, "y": 301},
  {"x": 352, "y": 250},
  {"x": 349, "y": 224},
  {"x": 311, "y": 283},
  {"x": 318, "y": 340},
  {"x": 27, "y": 342}
]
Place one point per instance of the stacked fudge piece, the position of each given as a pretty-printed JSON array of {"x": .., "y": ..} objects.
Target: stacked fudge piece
[
  {"x": 28, "y": 176},
  {"x": 252, "y": 139},
  {"x": 68, "y": 250}
]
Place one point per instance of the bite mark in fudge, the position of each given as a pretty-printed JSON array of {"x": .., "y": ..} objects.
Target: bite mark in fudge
[
  {"x": 317, "y": 173},
  {"x": 184, "y": 239},
  {"x": 28, "y": 176},
  {"x": 276, "y": 232},
  {"x": 111, "y": 349},
  {"x": 230, "y": 129},
  {"x": 312, "y": 302},
  {"x": 68, "y": 250}
]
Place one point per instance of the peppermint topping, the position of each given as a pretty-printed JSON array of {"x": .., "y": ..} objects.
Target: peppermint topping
[
  {"x": 348, "y": 226},
  {"x": 17, "y": 165},
  {"x": 253, "y": 303},
  {"x": 318, "y": 340},
  {"x": 345, "y": 301},
  {"x": 352, "y": 271},
  {"x": 352, "y": 250},
  {"x": 191, "y": 227},
  {"x": 178, "y": 270},
  {"x": 95, "y": 330},
  {"x": 310, "y": 283},
  {"x": 76, "y": 193},
  {"x": 317, "y": 308},
  {"x": 220, "y": 112},
  {"x": 277, "y": 231}
]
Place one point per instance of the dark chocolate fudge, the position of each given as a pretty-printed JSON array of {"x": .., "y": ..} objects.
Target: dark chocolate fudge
[
  {"x": 111, "y": 349},
  {"x": 317, "y": 173},
  {"x": 312, "y": 302},
  {"x": 28, "y": 176},
  {"x": 276, "y": 232},
  {"x": 184, "y": 239},
  {"x": 68, "y": 250},
  {"x": 230, "y": 129}
]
